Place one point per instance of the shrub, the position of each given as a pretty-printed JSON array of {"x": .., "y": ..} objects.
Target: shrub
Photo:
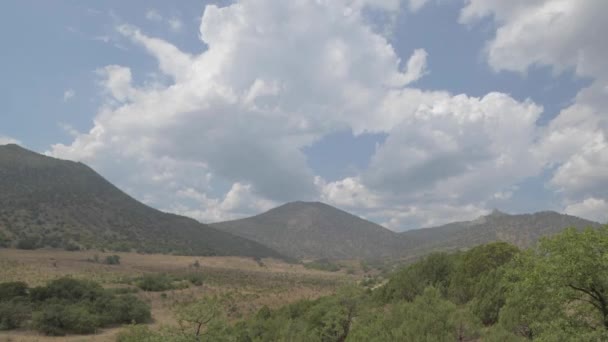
[
  {"x": 14, "y": 313},
  {"x": 112, "y": 260},
  {"x": 11, "y": 290},
  {"x": 155, "y": 282},
  {"x": 195, "y": 278},
  {"x": 68, "y": 305},
  {"x": 28, "y": 243},
  {"x": 58, "y": 319},
  {"x": 67, "y": 289}
]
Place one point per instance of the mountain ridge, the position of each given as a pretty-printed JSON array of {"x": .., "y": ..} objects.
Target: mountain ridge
[
  {"x": 315, "y": 230},
  {"x": 51, "y": 202}
]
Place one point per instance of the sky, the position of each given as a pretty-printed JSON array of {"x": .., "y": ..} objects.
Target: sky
[{"x": 410, "y": 113}]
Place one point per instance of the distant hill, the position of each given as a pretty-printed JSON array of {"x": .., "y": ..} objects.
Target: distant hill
[
  {"x": 50, "y": 202},
  {"x": 314, "y": 230},
  {"x": 520, "y": 230}
]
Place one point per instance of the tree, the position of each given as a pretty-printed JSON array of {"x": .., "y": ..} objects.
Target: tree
[
  {"x": 194, "y": 317},
  {"x": 476, "y": 264},
  {"x": 561, "y": 287},
  {"x": 428, "y": 317}
]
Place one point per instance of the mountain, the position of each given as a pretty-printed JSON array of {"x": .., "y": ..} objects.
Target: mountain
[
  {"x": 50, "y": 202},
  {"x": 313, "y": 230},
  {"x": 521, "y": 230}
]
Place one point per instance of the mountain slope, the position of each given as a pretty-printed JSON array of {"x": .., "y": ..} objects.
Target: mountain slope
[
  {"x": 316, "y": 230},
  {"x": 521, "y": 230},
  {"x": 51, "y": 202}
]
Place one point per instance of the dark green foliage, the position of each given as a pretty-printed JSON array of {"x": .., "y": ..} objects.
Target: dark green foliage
[
  {"x": 70, "y": 246},
  {"x": 474, "y": 265},
  {"x": 435, "y": 270},
  {"x": 67, "y": 289},
  {"x": 4, "y": 240},
  {"x": 10, "y": 290},
  {"x": 14, "y": 312},
  {"x": 68, "y": 305},
  {"x": 155, "y": 282},
  {"x": 28, "y": 243},
  {"x": 112, "y": 260},
  {"x": 59, "y": 319}
]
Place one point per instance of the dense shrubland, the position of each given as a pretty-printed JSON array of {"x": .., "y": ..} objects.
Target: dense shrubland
[
  {"x": 67, "y": 305},
  {"x": 557, "y": 291}
]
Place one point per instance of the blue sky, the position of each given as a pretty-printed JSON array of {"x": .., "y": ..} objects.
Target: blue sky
[{"x": 409, "y": 113}]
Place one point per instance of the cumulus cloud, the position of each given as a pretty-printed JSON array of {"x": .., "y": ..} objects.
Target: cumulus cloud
[
  {"x": 223, "y": 137},
  {"x": 591, "y": 208},
  {"x": 563, "y": 35}
]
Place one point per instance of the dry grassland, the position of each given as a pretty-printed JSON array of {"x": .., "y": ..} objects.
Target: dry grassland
[{"x": 252, "y": 284}]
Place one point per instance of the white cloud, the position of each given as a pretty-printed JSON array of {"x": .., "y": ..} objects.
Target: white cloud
[
  {"x": 68, "y": 95},
  {"x": 280, "y": 75},
  {"x": 564, "y": 35},
  {"x": 416, "y": 66},
  {"x": 174, "y": 23},
  {"x": 591, "y": 208},
  {"x": 415, "y": 5},
  {"x": 4, "y": 140},
  {"x": 153, "y": 15}
]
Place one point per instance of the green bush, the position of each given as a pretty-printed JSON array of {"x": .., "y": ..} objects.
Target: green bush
[
  {"x": 28, "y": 243},
  {"x": 68, "y": 305},
  {"x": 112, "y": 260},
  {"x": 11, "y": 290},
  {"x": 58, "y": 319},
  {"x": 195, "y": 278},
  {"x": 14, "y": 313},
  {"x": 155, "y": 282},
  {"x": 67, "y": 289},
  {"x": 128, "y": 309}
]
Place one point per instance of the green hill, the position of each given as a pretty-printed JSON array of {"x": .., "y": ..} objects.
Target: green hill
[{"x": 47, "y": 202}]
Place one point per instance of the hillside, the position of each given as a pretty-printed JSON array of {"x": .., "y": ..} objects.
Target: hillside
[
  {"x": 315, "y": 230},
  {"x": 47, "y": 202},
  {"x": 521, "y": 230}
]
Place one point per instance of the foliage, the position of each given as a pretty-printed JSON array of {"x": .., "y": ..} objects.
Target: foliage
[
  {"x": 28, "y": 243},
  {"x": 435, "y": 270},
  {"x": 11, "y": 290},
  {"x": 155, "y": 282},
  {"x": 67, "y": 305},
  {"x": 560, "y": 289},
  {"x": 323, "y": 265},
  {"x": 14, "y": 313},
  {"x": 428, "y": 317},
  {"x": 112, "y": 260},
  {"x": 476, "y": 264}
]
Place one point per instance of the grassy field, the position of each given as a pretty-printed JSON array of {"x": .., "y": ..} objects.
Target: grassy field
[{"x": 252, "y": 283}]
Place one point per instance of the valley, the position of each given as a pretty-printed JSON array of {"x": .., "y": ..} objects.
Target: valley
[{"x": 253, "y": 283}]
